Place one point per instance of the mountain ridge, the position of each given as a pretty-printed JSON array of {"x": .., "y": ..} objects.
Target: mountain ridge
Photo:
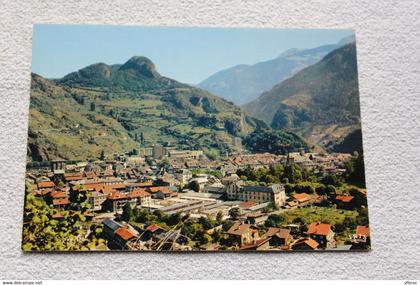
[
  {"x": 321, "y": 96},
  {"x": 245, "y": 82},
  {"x": 118, "y": 108}
]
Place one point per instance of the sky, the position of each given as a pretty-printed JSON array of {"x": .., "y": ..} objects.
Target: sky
[{"x": 189, "y": 55}]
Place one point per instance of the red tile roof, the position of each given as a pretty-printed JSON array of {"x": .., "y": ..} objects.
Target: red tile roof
[
  {"x": 45, "y": 184},
  {"x": 319, "y": 229},
  {"x": 239, "y": 229},
  {"x": 139, "y": 193},
  {"x": 153, "y": 228},
  {"x": 155, "y": 189},
  {"x": 124, "y": 233},
  {"x": 362, "y": 231},
  {"x": 64, "y": 201},
  {"x": 58, "y": 194},
  {"x": 247, "y": 204},
  {"x": 310, "y": 242},
  {"x": 344, "y": 198},
  {"x": 301, "y": 197}
]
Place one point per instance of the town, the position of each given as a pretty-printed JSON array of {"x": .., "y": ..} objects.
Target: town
[{"x": 160, "y": 198}]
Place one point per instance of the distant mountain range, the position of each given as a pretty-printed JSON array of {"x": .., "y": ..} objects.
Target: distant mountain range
[
  {"x": 117, "y": 108},
  {"x": 320, "y": 102},
  {"x": 243, "y": 83}
]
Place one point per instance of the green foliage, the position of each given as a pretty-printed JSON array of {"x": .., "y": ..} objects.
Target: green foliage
[
  {"x": 127, "y": 213},
  {"x": 356, "y": 171},
  {"x": 43, "y": 233},
  {"x": 293, "y": 173},
  {"x": 123, "y": 102},
  {"x": 268, "y": 175},
  {"x": 273, "y": 141},
  {"x": 331, "y": 179},
  {"x": 275, "y": 220},
  {"x": 219, "y": 217},
  {"x": 324, "y": 94},
  {"x": 234, "y": 213}
]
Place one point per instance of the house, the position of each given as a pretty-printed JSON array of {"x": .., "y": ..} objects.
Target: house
[
  {"x": 110, "y": 226},
  {"x": 263, "y": 194},
  {"x": 259, "y": 194},
  {"x": 305, "y": 244},
  {"x": 344, "y": 201},
  {"x": 183, "y": 176},
  {"x": 201, "y": 181},
  {"x": 61, "y": 203},
  {"x": 214, "y": 188},
  {"x": 117, "y": 199},
  {"x": 242, "y": 234},
  {"x": 152, "y": 231},
  {"x": 361, "y": 239},
  {"x": 139, "y": 196},
  {"x": 279, "y": 237},
  {"x": 118, "y": 235},
  {"x": 322, "y": 234},
  {"x": 160, "y": 192},
  {"x": 261, "y": 244},
  {"x": 256, "y": 218},
  {"x": 169, "y": 241},
  {"x": 121, "y": 236},
  {"x": 301, "y": 199},
  {"x": 227, "y": 180},
  {"x": 42, "y": 185},
  {"x": 96, "y": 199}
]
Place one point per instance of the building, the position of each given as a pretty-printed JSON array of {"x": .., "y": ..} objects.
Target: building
[
  {"x": 96, "y": 199},
  {"x": 322, "y": 234},
  {"x": 116, "y": 199},
  {"x": 301, "y": 199},
  {"x": 361, "y": 240},
  {"x": 305, "y": 244},
  {"x": 259, "y": 194},
  {"x": 242, "y": 234},
  {"x": 118, "y": 235},
  {"x": 279, "y": 237},
  {"x": 344, "y": 201},
  {"x": 183, "y": 176},
  {"x": 185, "y": 154},
  {"x": 121, "y": 236},
  {"x": 158, "y": 151}
]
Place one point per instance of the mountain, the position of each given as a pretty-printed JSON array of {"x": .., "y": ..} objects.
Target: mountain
[
  {"x": 243, "y": 83},
  {"x": 349, "y": 144},
  {"x": 320, "y": 103},
  {"x": 118, "y": 108}
]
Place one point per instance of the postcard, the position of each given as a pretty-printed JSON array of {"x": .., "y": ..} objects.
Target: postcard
[{"x": 194, "y": 139}]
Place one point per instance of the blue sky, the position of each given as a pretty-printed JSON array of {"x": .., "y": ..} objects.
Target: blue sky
[{"x": 188, "y": 55}]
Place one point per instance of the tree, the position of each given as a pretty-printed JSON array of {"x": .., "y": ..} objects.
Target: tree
[
  {"x": 331, "y": 190},
  {"x": 331, "y": 179},
  {"x": 41, "y": 232},
  {"x": 174, "y": 219},
  {"x": 356, "y": 171},
  {"x": 193, "y": 185},
  {"x": 205, "y": 239},
  {"x": 102, "y": 156},
  {"x": 293, "y": 173},
  {"x": 205, "y": 222},
  {"x": 321, "y": 190},
  {"x": 219, "y": 217},
  {"x": 275, "y": 220},
  {"x": 234, "y": 213},
  {"x": 92, "y": 106},
  {"x": 339, "y": 228},
  {"x": 127, "y": 212},
  {"x": 142, "y": 138}
]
